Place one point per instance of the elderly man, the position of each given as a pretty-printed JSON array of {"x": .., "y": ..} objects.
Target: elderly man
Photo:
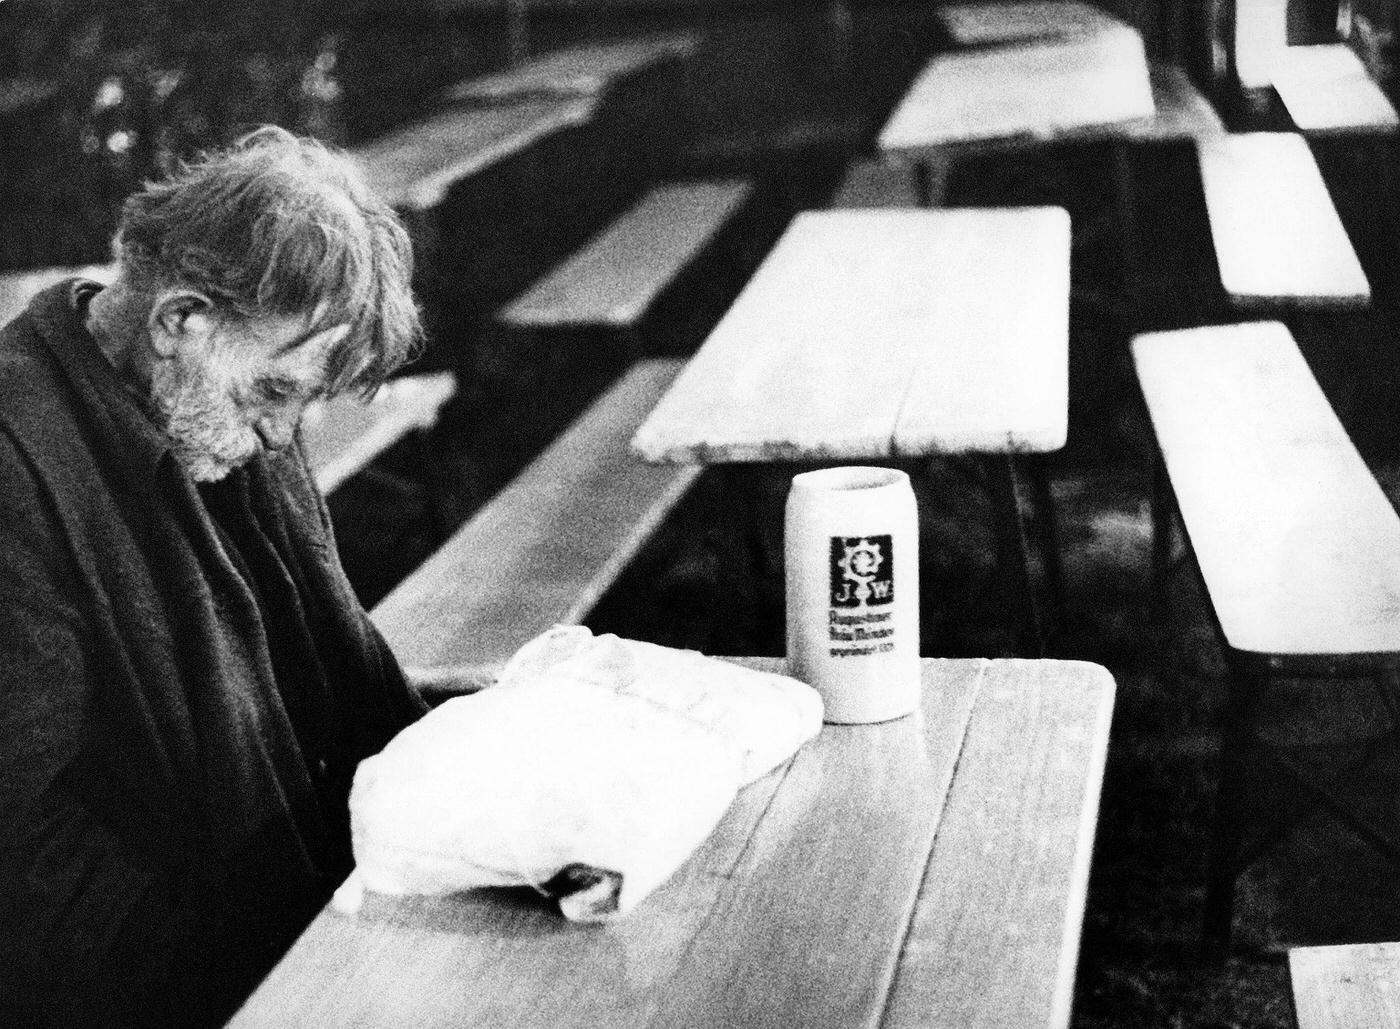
[{"x": 186, "y": 679}]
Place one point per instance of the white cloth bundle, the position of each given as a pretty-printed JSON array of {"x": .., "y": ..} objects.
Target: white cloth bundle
[{"x": 591, "y": 770}]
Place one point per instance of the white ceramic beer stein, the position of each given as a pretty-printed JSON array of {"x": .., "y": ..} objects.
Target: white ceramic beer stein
[{"x": 852, "y": 569}]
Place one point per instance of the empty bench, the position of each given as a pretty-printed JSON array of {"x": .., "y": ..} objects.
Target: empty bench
[
  {"x": 1327, "y": 89},
  {"x": 617, "y": 277},
  {"x": 547, "y": 547},
  {"x": 1278, "y": 240},
  {"x": 1297, "y": 545},
  {"x": 1347, "y": 986},
  {"x": 341, "y": 436},
  {"x": 344, "y": 435}
]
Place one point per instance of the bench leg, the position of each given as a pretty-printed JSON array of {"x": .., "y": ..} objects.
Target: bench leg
[{"x": 1248, "y": 680}]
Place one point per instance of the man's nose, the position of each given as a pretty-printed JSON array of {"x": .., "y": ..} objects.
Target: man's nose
[{"x": 277, "y": 430}]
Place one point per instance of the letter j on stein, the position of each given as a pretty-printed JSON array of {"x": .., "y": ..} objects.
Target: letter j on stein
[{"x": 851, "y": 548}]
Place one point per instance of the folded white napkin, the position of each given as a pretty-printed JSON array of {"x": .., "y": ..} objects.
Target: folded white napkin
[{"x": 591, "y": 770}]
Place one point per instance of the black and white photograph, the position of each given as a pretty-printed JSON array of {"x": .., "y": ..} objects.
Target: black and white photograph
[{"x": 700, "y": 514}]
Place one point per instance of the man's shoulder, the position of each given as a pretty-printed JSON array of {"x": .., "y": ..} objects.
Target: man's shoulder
[{"x": 32, "y": 396}]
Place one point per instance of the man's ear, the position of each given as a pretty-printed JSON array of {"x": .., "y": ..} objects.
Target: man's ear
[{"x": 177, "y": 317}]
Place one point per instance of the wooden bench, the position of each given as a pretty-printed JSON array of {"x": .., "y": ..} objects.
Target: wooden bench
[
  {"x": 546, "y": 548},
  {"x": 341, "y": 436},
  {"x": 1278, "y": 239},
  {"x": 1347, "y": 986},
  {"x": 1327, "y": 89},
  {"x": 344, "y": 435},
  {"x": 1297, "y": 545},
  {"x": 617, "y": 277},
  {"x": 587, "y": 70}
]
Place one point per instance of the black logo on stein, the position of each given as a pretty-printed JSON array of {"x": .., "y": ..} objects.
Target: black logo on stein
[{"x": 862, "y": 571}]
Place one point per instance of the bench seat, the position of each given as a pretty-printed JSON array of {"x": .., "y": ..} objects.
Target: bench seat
[
  {"x": 615, "y": 278},
  {"x": 1327, "y": 89},
  {"x": 1297, "y": 545},
  {"x": 342, "y": 436},
  {"x": 1347, "y": 986},
  {"x": 546, "y": 548},
  {"x": 1278, "y": 239}
]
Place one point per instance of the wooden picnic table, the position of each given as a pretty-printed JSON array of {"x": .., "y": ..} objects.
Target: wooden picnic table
[
  {"x": 929, "y": 871},
  {"x": 869, "y": 334},
  {"x": 1077, "y": 86},
  {"x": 885, "y": 334},
  {"x": 578, "y": 71},
  {"x": 414, "y": 167}
]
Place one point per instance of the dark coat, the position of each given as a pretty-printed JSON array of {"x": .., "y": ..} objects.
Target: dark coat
[{"x": 172, "y": 809}]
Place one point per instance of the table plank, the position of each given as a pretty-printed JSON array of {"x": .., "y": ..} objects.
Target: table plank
[
  {"x": 1002, "y": 382},
  {"x": 982, "y": 23},
  {"x": 792, "y": 912},
  {"x": 1346, "y": 985},
  {"x": 413, "y": 168},
  {"x": 1037, "y": 91},
  {"x": 1261, "y": 33},
  {"x": 1277, "y": 234},
  {"x": 815, "y": 358},
  {"x": 1014, "y": 852},
  {"x": 1327, "y": 89},
  {"x": 1296, "y": 540},
  {"x": 582, "y": 70}
]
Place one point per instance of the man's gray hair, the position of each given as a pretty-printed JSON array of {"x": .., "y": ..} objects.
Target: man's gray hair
[{"x": 281, "y": 225}]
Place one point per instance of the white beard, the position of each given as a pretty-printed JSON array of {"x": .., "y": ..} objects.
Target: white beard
[{"x": 206, "y": 432}]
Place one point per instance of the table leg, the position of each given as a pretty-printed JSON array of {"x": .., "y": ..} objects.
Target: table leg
[
  {"x": 923, "y": 182},
  {"x": 1121, "y": 158},
  {"x": 1037, "y": 469},
  {"x": 1014, "y": 559},
  {"x": 1247, "y": 684}
]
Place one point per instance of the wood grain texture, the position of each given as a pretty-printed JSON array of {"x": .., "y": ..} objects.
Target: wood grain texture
[
  {"x": 1327, "y": 89},
  {"x": 618, "y": 274},
  {"x": 1277, "y": 236},
  {"x": 1298, "y": 545},
  {"x": 1013, "y": 853},
  {"x": 794, "y": 912},
  {"x": 1037, "y": 91},
  {"x": 582, "y": 70},
  {"x": 413, "y": 168},
  {"x": 545, "y": 548},
  {"x": 982, "y": 23},
  {"x": 870, "y": 333},
  {"x": 1350, "y": 986},
  {"x": 342, "y": 436}
]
